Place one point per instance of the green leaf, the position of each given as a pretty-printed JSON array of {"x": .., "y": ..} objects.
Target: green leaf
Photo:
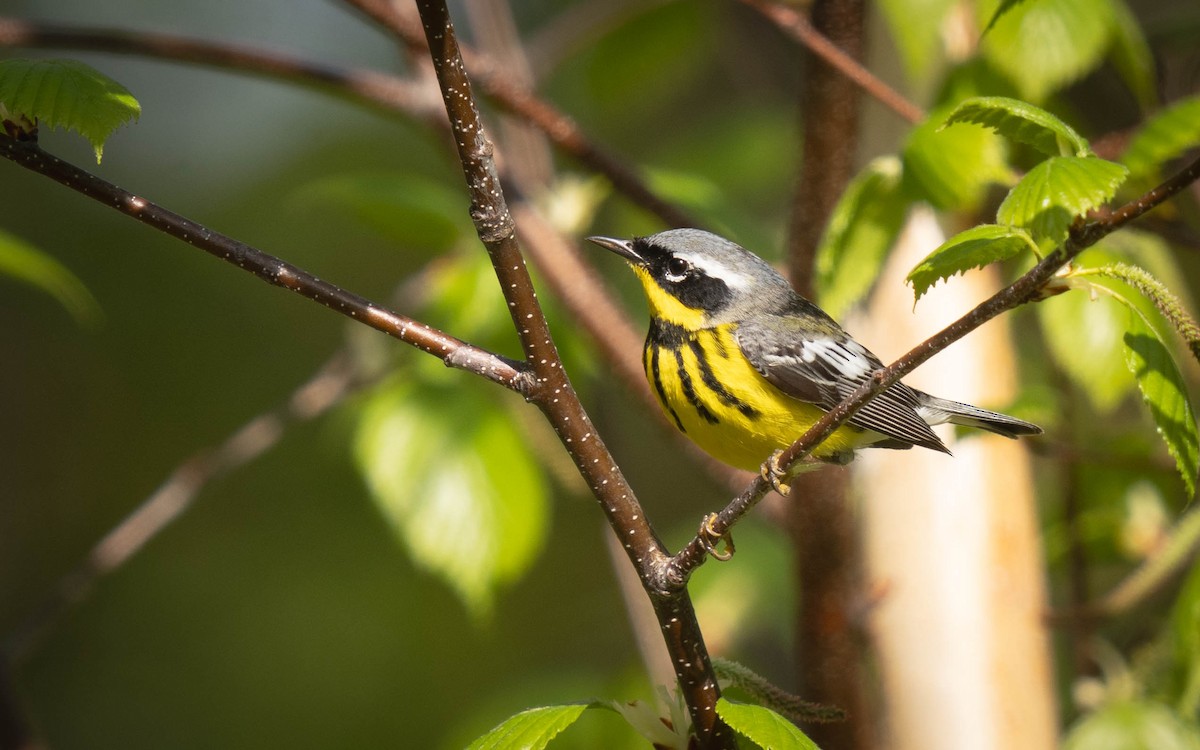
[
  {"x": 1133, "y": 725},
  {"x": 1042, "y": 46},
  {"x": 409, "y": 210},
  {"x": 1049, "y": 198},
  {"x": 1022, "y": 122},
  {"x": 1164, "y": 137},
  {"x": 1164, "y": 392},
  {"x": 67, "y": 94},
  {"x": 531, "y": 729},
  {"x": 24, "y": 262},
  {"x": 1131, "y": 56},
  {"x": 453, "y": 475},
  {"x": 1083, "y": 336},
  {"x": 862, "y": 228},
  {"x": 763, "y": 726},
  {"x": 1005, "y": 7},
  {"x": 975, "y": 248},
  {"x": 952, "y": 167},
  {"x": 1167, "y": 304}
]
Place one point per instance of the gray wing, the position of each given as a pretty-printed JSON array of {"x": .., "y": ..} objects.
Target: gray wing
[{"x": 824, "y": 368}]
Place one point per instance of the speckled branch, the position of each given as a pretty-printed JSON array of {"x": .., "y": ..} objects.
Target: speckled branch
[
  {"x": 552, "y": 391},
  {"x": 1027, "y": 288},
  {"x": 452, "y": 351}
]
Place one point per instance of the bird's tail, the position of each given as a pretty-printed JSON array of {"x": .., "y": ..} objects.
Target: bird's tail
[{"x": 936, "y": 410}]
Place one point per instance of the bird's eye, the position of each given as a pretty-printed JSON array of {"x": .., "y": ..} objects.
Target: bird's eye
[{"x": 677, "y": 268}]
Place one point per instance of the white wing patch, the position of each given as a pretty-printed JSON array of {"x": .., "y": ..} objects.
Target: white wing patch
[{"x": 847, "y": 356}]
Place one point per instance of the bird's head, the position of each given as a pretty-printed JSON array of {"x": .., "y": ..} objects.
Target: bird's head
[{"x": 697, "y": 279}]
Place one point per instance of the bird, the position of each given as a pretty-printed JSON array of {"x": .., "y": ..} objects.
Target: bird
[{"x": 743, "y": 365}]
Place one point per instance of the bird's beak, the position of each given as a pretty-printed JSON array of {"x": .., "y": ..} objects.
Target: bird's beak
[{"x": 624, "y": 248}]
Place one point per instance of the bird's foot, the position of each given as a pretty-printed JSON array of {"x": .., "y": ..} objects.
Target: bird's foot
[
  {"x": 709, "y": 538},
  {"x": 775, "y": 475}
]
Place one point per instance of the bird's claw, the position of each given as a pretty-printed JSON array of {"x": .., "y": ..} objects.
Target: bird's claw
[
  {"x": 775, "y": 475},
  {"x": 709, "y": 538}
]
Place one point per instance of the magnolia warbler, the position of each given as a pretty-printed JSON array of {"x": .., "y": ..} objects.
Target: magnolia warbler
[{"x": 743, "y": 365}]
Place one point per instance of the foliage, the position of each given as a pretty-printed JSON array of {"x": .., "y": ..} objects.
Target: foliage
[
  {"x": 530, "y": 730},
  {"x": 763, "y": 727},
  {"x": 1058, "y": 192},
  {"x": 458, "y": 478},
  {"x": 67, "y": 94}
]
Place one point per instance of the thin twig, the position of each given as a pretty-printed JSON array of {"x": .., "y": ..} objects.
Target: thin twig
[
  {"x": 561, "y": 129},
  {"x": 799, "y": 28},
  {"x": 1025, "y": 289},
  {"x": 452, "y": 351},
  {"x": 385, "y": 91},
  {"x": 178, "y": 493}
]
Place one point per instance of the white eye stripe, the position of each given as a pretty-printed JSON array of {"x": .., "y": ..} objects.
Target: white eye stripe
[{"x": 714, "y": 269}]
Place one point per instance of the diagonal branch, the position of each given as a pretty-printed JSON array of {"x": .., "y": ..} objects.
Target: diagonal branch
[
  {"x": 560, "y": 128},
  {"x": 452, "y": 351},
  {"x": 798, "y": 27},
  {"x": 1027, "y": 288},
  {"x": 175, "y": 496},
  {"x": 387, "y": 92}
]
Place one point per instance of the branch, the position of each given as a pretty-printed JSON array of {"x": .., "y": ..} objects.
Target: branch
[
  {"x": 176, "y": 495},
  {"x": 515, "y": 100},
  {"x": 390, "y": 93},
  {"x": 798, "y": 27},
  {"x": 1027, "y": 288},
  {"x": 552, "y": 391},
  {"x": 385, "y": 91},
  {"x": 452, "y": 351}
]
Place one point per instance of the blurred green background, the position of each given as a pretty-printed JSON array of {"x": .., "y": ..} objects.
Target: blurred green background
[{"x": 282, "y": 610}]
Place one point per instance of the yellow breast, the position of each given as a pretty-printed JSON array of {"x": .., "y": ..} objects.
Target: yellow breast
[{"x": 715, "y": 396}]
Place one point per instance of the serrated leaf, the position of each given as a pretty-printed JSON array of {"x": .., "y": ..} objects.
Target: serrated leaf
[
  {"x": 531, "y": 729},
  {"x": 975, "y": 248},
  {"x": 1022, "y": 122},
  {"x": 1132, "y": 725},
  {"x": 1131, "y": 56},
  {"x": 1164, "y": 392},
  {"x": 862, "y": 228},
  {"x": 67, "y": 94},
  {"x": 1049, "y": 198},
  {"x": 22, "y": 261},
  {"x": 1042, "y": 46},
  {"x": 1164, "y": 137},
  {"x": 453, "y": 475},
  {"x": 952, "y": 167},
  {"x": 763, "y": 727}
]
